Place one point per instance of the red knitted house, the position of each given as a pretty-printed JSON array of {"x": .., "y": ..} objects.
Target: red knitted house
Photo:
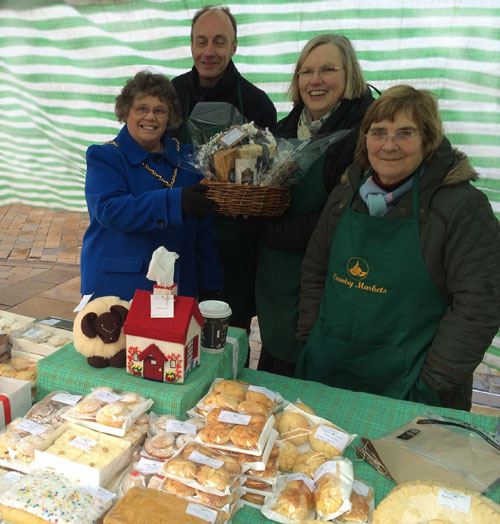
[{"x": 163, "y": 349}]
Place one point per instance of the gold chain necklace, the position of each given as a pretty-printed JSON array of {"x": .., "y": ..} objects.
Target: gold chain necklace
[{"x": 152, "y": 171}]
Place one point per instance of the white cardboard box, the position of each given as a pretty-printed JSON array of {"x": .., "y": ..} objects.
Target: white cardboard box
[
  {"x": 87, "y": 474},
  {"x": 21, "y": 342},
  {"x": 15, "y": 399}
]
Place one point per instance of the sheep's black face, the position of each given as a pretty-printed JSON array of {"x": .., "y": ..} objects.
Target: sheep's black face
[{"x": 108, "y": 327}]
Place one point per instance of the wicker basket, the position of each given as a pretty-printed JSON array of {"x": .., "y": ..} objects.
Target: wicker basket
[{"x": 239, "y": 199}]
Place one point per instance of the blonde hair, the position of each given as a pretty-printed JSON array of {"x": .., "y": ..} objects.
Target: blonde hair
[
  {"x": 421, "y": 104},
  {"x": 355, "y": 82}
]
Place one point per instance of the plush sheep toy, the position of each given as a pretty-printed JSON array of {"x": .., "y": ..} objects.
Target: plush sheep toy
[{"x": 98, "y": 332}]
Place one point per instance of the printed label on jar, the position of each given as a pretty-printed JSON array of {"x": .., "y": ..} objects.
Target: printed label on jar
[
  {"x": 456, "y": 501},
  {"x": 337, "y": 439},
  {"x": 304, "y": 478}
]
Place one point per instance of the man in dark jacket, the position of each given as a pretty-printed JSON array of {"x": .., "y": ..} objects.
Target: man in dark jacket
[{"x": 214, "y": 78}]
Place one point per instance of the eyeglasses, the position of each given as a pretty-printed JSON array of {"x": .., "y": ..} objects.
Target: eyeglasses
[
  {"x": 400, "y": 137},
  {"x": 158, "y": 112},
  {"x": 323, "y": 72}
]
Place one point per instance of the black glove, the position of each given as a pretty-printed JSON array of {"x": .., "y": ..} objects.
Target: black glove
[
  {"x": 195, "y": 204},
  {"x": 209, "y": 294}
]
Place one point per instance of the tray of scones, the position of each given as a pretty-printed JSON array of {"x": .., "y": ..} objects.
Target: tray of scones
[
  {"x": 109, "y": 411},
  {"x": 239, "y": 416}
]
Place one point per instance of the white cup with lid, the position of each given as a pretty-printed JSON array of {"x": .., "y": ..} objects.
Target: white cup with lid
[{"x": 216, "y": 315}]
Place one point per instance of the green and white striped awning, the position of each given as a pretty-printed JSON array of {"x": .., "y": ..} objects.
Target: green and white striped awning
[{"x": 63, "y": 63}]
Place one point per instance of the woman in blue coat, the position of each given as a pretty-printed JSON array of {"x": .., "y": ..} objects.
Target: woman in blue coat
[{"x": 141, "y": 195}]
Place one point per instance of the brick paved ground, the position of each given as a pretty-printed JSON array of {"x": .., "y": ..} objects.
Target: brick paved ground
[{"x": 40, "y": 264}]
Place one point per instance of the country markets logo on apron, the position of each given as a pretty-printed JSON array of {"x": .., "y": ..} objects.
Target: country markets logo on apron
[{"x": 357, "y": 270}]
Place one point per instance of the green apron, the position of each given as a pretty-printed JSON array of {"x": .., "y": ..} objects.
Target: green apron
[
  {"x": 277, "y": 286},
  {"x": 379, "y": 311}
]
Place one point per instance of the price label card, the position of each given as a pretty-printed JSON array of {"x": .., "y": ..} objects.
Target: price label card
[
  {"x": 360, "y": 488},
  {"x": 12, "y": 477},
  {"x": 304, "y": 478},
  {"x": 177, "y": 426},
  {"x": 162, "y": 306},
  {"x": 327, "y": 467},
  {"x": 66, "y": 398},
  {"x": 198, "y": 457},
  {"x": 337, "y": 439},
  {"x": 201, "y": 512},
  {"x": 32, "y": 427},
  {"x": 100, "y": 493},
  {"x": 456, "y": 501},
  {"x": 83, "y": 443},
  {"x": 234, "y": 418},
  {"x": 33, "y": 333},
  {"x": 233, "y": 136},
  {"x": 148, "y": 466},
  {"x": 106, "y": 396},
  {"x": 49, "y": 321},
  {"x": 271, "y": 395}
]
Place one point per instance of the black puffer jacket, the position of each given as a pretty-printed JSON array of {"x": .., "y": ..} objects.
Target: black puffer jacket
[
  {"x": 257, "y": 106},
  {"x": 460, "y": 241},
  {"x": 291, "y": 233}
]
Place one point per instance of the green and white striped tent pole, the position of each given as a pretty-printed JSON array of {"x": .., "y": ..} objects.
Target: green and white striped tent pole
[{"x": 62, "y": 62}]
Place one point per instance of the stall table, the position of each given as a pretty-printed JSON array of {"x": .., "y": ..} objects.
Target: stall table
[
  {"x": 67, "y": 370},
  {"x": 361, "y": 413}
]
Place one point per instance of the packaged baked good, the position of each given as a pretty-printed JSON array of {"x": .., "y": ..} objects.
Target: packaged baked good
[
  {"x": 8, "y": 478},
  {"x": 362, "y": 505},
  {"x": 181, "y": 432},
  {"x": 431, "y": 501},
  {"x": 204, "y": 469},
  {"x": 109, "y": 411},
  {"x": 292, "y": 501},
  {"x": 238, "y": 396},
  {"x": 150, "y": 505},
  {"x": 64, "y": 501},
  {"x": 52, "y": 407},
  {"x": 333, "y": 486}
]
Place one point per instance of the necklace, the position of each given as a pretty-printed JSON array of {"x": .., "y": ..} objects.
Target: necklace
[{"x": 152, "y": 171}]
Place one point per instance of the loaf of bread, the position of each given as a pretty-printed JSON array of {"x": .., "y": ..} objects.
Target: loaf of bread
[
  {"x": 428, "y": 501},
  {"x": 151, "y": 505}
]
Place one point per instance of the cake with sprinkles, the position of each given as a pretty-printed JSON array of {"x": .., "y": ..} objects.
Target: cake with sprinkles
[{"x": 43, "y": 497}]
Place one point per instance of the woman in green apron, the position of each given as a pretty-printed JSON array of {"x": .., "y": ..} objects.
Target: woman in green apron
[
  {"x": 400, "y": 287},
  {"x": 329, "y": 95}
]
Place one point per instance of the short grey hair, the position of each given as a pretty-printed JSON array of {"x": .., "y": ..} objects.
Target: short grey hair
[{"x": 212, "y": 8}]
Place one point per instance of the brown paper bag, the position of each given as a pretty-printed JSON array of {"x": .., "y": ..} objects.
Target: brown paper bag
[{"x": 436, "y": 448}]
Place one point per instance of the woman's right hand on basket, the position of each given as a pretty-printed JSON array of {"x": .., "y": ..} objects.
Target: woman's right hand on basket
[{"x": 195, "y": 203}]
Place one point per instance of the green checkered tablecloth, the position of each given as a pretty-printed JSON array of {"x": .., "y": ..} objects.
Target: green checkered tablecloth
[
  {"x": 366, "y": 415},
  {"x": 67, "y": 370}
]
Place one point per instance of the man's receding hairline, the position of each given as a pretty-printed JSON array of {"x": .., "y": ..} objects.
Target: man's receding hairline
[{"x": 215, "y": 9}]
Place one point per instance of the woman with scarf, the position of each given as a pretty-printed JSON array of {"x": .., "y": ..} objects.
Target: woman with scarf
[
  {"x": 400, "y": 290},
  {"x": 329, "y": 94}
]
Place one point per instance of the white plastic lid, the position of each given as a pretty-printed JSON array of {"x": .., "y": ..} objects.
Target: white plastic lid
[{"x": 214, "y": 309}]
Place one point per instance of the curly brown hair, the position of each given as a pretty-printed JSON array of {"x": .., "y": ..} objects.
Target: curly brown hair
[{"x": 144, "y": 84}]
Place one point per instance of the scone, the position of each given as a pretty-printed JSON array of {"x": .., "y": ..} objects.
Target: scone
[
  {"x": 160, "y": 446},
  {"x": 221, "y": 400},
  {"x": 86, "y": 408},
  {"x": 288, "y": 455},
  {"x": 218, "y": 479},
  {"x": 178, "y": 488},
  {"x": 293, "y": 503},
  {"x": 217, "y": 501},
  {"x": 327, "y": 495},
  {"x": 250, "y": 407},
  {"x": 309, "y": 462},
  {"x": 245, "y": 437},
  {"x": 218, "y": 433},
  {"x": 181, "y": 467},
  {"x": 294, "y": 427},
  {"x": 254, "y": 498},
  {"x": 360, "y": 510},
  {"x": 231, "y": 388},
  {"x": 325, "y": 447},
  {"x": 114, "y": 414},
  {"x": 261, "y": 398}
]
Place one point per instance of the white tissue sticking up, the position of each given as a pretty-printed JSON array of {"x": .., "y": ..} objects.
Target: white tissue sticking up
[{"x": 161, "y": 266}]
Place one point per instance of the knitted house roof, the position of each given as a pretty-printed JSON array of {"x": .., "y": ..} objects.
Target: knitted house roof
[{"x": 139, "y": 322}]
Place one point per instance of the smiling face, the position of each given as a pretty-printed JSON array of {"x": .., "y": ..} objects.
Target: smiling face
[
  {"x": 393, "y": 162},
  {"x": 146, "y": 121},
  {"x": 212, "y": 46},
  {"x": 321, "y": 92}
]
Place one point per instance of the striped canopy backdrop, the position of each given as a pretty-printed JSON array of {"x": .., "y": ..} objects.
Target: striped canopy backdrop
[{"x": 62, "y": 62}]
